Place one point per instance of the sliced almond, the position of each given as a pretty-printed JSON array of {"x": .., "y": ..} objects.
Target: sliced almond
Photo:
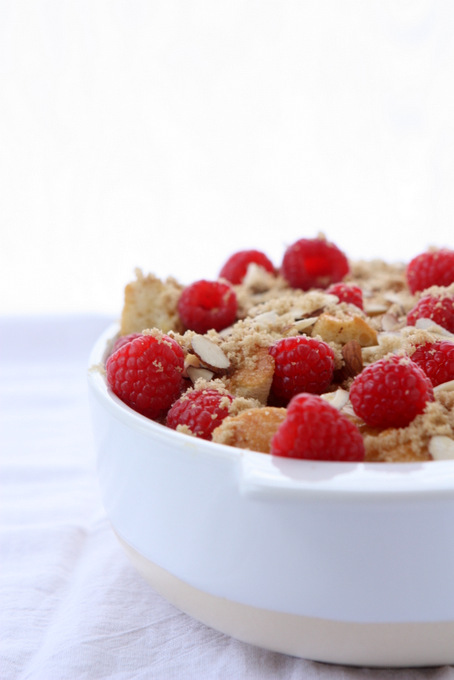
[
  {"x": 338, "y": 399},
  {"x": 299, "y": 316},
  {"x": 304, "y": 324},
  {"x": 226, "y": 332},
  {"x": 196, "y": 372},
  {"x": 430, "y": 325},
  {"x": 374, "y": 310},
  {"x": 257, "y": 278},
  {"x": 390, "y": 322},
  {"x": 265, "y": 320},
  {"x": 353, "y": 358},
  {"x": 210, "y": 355},
  {"x": 326, "y": 300},
  {"x": 395, "y": 298},
  {"x": 190, "y": 360},
  {"x": 441, "y": 448},
  {"x": 445, "y": 387},
  {"x": 368, "y": 293}
]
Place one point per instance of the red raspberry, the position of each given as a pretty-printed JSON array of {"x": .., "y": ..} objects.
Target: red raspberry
[
  {"x": 436, "y": 360},
  {"x": 302, "y": 364},
  {"x": 207, "y": 304},
  {"x": 314, "y": 263},
  {"x": 123, "y": 340},
  {"x": 431, "y": 269},
  {"x": 146, "y": 374},
  {"x": 236, "y": 266},
  {"x": 201, "y": 410},
  {"x": 315, "y": 430},
  {"x": 390, "y": 392},
  {"x": 439, "y": 309},
  {"x": 347, "y": 292}
]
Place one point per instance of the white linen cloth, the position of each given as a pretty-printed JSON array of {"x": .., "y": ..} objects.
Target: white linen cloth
[{"x": 71, "y": 604}]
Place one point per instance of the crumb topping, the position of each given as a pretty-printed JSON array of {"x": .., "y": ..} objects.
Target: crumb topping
[{"x": 268, "y": 310}]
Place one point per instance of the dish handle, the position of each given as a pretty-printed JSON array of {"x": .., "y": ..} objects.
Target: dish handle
[{"x": 267, "y": 477}]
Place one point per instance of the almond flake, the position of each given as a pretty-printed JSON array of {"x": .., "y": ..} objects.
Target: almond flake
[
  {"x": 298, "y": 314},
  {"x": 441, "y": 448},
  {"x": 395, "y": 298},
  {"x": 196, "y": 372},
  {"x": 304, "y": 324},
  {"x": 338, "y": 399},
  {"x": 210, "y": 355},
  {"x": 190, "y": 360},
  {"x": 226, "y": 332},
  {"x": 430, "y": 325},
  {"x": 328, "y": 299},
  {"x": 445, "y": 387},
  {"x": 257, "y": 278},
  {"x": 265, "y": 320},
  {"x": 374, "y": 310},
  {"x": 390, "y": 322}
]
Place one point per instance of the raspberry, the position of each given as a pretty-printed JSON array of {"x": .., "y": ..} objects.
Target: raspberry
[
  {"x": 146, "y": 374},
  {"x": 439, "y": 309},
  {"x": 123, "y": 340},
  {"x": 302, "y": 364},
  {"x": 313, "y": 263},
  {"x": 234, "y": 270},
  {"x": 347, "y": 292},
  {"x": 315, "y": 430},
  {"x": 390, "y": 392},
  {"x": 436, "y": 360},
  {"x": 431, "y": 269},
  {"x": 207, "y": 304},
  {"x": 201, "y": 410}
]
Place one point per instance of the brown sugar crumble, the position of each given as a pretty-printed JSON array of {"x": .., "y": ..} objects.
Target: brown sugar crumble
[{"x": 269, "y": 310}]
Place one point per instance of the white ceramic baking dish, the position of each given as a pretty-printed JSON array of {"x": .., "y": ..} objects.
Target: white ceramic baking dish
[{"x": 337, "y": 562}]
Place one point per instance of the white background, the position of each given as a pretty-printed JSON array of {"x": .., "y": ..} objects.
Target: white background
[{"x": 168, "y": 134}]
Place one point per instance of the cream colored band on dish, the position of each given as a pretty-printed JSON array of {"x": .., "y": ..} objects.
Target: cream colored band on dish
[{"x": 358, "y": 644}]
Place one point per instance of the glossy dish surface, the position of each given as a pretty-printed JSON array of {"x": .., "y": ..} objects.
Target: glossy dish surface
[{"x": 294, "y": 556}]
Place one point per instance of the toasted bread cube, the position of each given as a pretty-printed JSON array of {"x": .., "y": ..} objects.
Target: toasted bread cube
[
  {"x": 151, "y": 303},
  {"x": 343, "y": 329},
  {"x": 253, "y": 378},
  {"x": 252, "y": 429}
]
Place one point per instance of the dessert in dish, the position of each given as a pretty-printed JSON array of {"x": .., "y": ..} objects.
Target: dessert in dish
[
  {"x": 322, "y": 358},
  {"x": 277, "y": 552}
]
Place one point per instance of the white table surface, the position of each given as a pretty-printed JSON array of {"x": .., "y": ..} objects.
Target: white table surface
[{"x": 71, "y": 604}]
